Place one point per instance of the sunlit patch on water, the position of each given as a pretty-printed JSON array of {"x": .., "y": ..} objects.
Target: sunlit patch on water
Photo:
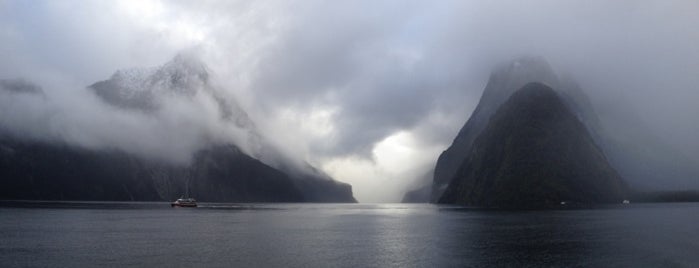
[{"x": 73, "y": 234}]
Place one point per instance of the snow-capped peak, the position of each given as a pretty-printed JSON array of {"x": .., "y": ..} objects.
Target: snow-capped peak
[{"x": 140, "y": 88}]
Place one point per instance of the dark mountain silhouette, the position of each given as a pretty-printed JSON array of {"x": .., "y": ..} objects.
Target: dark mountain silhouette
[
  {"x": 421, "y": 190},
  {"x": 419, "y": 195},
  {"x": 641, "y": 158},
  {"x": 501, "y": 84},
  {"x": 221, "y": 173},
  {"x": 534, "y": 152}
]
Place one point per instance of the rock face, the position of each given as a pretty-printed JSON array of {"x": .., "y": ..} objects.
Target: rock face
[
  {"x": 219, "y": 171},
  {"x": 185, "y": 76},
  {"x": 419, "y": 195},
  {"x": 39, "y": 171},
  {"x": 644, "y": 160},
  {"x": 421, "y": 189},
  {"x": 42, "y": 171},
  {"x": 501, "y": 84},
  {"x": 534, "y": 152}
]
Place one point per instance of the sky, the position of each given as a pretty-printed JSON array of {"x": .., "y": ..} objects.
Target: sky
[{"x": 371, "y": 92}]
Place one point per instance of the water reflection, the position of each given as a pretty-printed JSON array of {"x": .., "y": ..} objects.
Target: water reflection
[
  {"x": 346, "y": 235},
  {"x": 520, "y": 238}
]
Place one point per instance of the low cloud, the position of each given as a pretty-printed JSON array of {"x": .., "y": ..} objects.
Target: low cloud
[{"x": 336, "y": 83}]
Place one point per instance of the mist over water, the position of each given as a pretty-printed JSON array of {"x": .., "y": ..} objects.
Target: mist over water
[
  {"x": 345, "y": 101},
  {"x": 369, "y": 92}
]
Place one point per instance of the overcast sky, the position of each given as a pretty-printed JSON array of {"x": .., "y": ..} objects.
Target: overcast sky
[{"x": 369, "y": 91}]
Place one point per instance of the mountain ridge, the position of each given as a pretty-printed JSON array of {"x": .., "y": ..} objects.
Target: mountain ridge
[
  {"x": 504, "y": 81},
  {"x": 146, "y": 91},
  {"x": 641, "y": 158}
]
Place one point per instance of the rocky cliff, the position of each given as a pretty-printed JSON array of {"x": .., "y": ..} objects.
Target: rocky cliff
[{"x": 534, "y": 152}]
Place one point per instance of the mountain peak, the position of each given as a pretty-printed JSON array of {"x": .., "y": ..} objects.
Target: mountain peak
[
  {"x": 512, "y": 75},
  {"x": 185, "y": 66},
  {"x": 141, "y": 88},
  {"x": 503, "y": 82},
  {"x": 536, "y": 90},
  {"x": 534, "y": 152}
]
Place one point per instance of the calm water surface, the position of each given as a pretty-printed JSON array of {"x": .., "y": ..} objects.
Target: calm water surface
[{"x": 344, "y": 235}]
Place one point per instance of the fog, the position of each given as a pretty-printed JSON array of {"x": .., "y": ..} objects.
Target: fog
[{"x": 369, "y": 91}]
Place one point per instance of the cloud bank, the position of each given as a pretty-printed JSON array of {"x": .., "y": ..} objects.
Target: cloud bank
[{"x": 369, "y": 91}]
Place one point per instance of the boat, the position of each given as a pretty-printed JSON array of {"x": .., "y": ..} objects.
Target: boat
[{"x": 184, "y": 202}]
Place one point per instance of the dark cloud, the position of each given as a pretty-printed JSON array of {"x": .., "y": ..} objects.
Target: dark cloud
[{"x": 331, "y": 81}]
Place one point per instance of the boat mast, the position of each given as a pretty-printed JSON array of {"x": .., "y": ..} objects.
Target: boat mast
[
  {"x": 186, "y": 187},
  {"x": 187, "y": 181}
]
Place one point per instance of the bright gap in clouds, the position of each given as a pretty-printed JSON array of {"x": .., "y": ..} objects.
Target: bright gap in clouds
[
  {"x": 395, "y": 161},
  {"x": 180, "y": 29},
  {"x": 142, "y": 9},
  {"x": 332, "y": 82}
]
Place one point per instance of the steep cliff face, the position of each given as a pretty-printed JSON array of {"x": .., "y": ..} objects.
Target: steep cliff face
[
  {"x": 185, "y": 77},
  {"x": 534, "y": 152},
  {"x": 34, "y": 170},
  {"x": 641, "y": 158},
  {"x": 230, "y": 162},
  {"x": 419, "y": 195},
  {"x": 502, "y": 83},
  {"x": 42, "y": 171},
  {"x": 220, "y": 173},
  {"x": 223, "y": 173},
  {"x": 421, "y": 189}
]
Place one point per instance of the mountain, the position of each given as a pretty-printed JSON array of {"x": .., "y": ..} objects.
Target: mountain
[
  {"x": 644, "y": 160},
  {"x": 48, "y": 171},
  {"x": 504, "y": 81},
  {"x": 247, "y": 170},
  {"x": 643, "y": 157},
  {"x": 421, "y": 189},
  {"x": 36, "y": 170},
  {"x": 184, "y": 77},
  {"x": 534, "y": 152},
  {"x": 419, "y": 195}
]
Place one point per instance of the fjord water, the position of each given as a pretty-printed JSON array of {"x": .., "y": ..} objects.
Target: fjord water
[{"x": 344, "y": 235}]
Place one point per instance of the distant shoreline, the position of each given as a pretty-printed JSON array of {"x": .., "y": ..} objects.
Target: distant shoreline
[
  {"x": 665, "y": 196},
  {"x": 690, "y": 196}
]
